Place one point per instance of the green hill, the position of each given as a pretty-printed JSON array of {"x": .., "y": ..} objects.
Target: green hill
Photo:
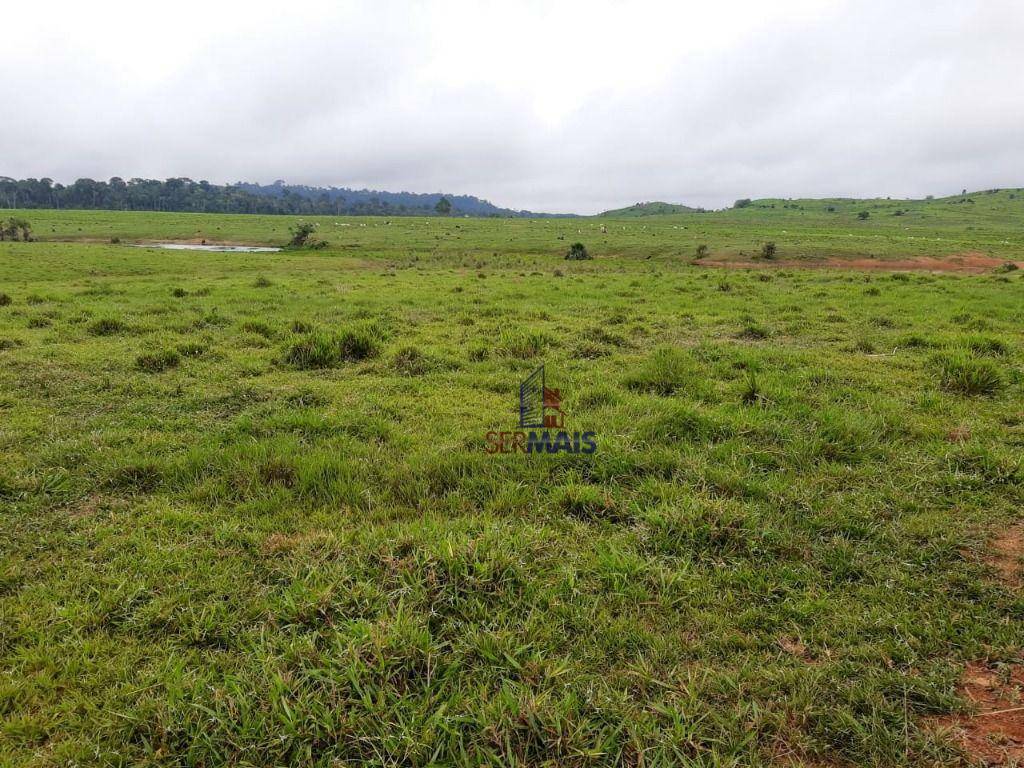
[{"x": 651, "y": 209}]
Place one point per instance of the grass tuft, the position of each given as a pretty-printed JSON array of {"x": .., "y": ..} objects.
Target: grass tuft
[
  {"x": 157, "y": 362},
  {"x": 665, "y": 372},
  {"x": 325, "y": 350},
  {"x": 967, "y": 375},
  {"x": 107, "y": 326}
]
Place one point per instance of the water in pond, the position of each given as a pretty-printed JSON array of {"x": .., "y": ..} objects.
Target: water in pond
[{"x": 218, "y": 248}]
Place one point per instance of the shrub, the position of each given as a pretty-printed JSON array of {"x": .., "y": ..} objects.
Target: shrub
[
  {"x": 768, "y": 250},
  {"x": 158, "y": 362},
  {"x": 262, "y": 282},
  {"x": 578, "y": 252},
  {"x": 107, "y": 326},
  {"x": 5, "y": 300},
  {"x": 300, "y": 233},
  {"x": 179, "y": 293},
  {"x": 959, "y": 372},
  {"x": 322, "y": 350},
  {"x": 1009, "y": 266},
  {"x": 863, "y": 215},
  {"x": 701, "y": 251},
  {"x": 11, "y": 227},
  {"x": 743, "y": 203}
]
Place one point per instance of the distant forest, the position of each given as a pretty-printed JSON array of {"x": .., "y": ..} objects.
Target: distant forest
[{"x": 184, "y": 194}]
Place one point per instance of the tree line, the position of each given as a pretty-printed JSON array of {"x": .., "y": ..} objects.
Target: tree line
[{"x": 184, "y": 194}]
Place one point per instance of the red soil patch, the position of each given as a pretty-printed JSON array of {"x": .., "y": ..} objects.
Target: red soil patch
[
  {"x": 1005, "y": 554},
  {"x": 971, "y": 262},
  {"x": 994, "y": 733}
]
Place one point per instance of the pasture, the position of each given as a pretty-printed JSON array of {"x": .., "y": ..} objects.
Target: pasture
[{"x": 248, "y": 517}]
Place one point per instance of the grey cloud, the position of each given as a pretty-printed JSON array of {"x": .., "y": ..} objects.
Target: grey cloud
[{"x": 870, "y": 98}]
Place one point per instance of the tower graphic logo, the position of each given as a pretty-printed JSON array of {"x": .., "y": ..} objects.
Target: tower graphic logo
[{"x": 540, "y": 412}]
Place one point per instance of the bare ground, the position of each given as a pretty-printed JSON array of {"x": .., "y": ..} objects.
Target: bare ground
[{"x": 971, "y": 262}]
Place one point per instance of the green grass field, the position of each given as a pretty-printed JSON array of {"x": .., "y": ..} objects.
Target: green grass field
[{"x": 248, "y": 517}]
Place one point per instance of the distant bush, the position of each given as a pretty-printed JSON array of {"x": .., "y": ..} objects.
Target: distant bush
[
  {"x": 179, "y": 293},
  {"x": 158, "y": 362},
  {"x": 300, "y": 233},
  {"x": 742, "y": 203},
  {"x": 11, "y": 227},
  {"x": 701, "y": 251},
  {"x": 5, "y": 300},
  {"x": 262, "y": 282},
  {"x": 863, "y": 215},
  {"x": 1009, "y": 266},
  {"x": 578, "y": 252},
  {"x": 322, "y": 350},
  {"x": 768, "y": 250}
]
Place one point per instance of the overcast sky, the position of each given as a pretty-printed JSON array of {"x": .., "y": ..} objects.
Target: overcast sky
[{"x": 549, "y": 106}]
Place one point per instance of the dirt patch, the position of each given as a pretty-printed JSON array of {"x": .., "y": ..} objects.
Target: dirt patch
[
  {"x": 1005, "y": 553},
  {"x": 94, "y": 505},
  {"x": 993, "y": 734},
  {"x": 971, "y": 262},
  {"x": 285, "y": 543}
]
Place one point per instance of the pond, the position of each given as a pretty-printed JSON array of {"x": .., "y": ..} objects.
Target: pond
[{"x": 204, "y": 247}]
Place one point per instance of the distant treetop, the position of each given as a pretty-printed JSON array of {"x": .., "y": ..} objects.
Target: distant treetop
[{"x": 184, "y": 194}]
